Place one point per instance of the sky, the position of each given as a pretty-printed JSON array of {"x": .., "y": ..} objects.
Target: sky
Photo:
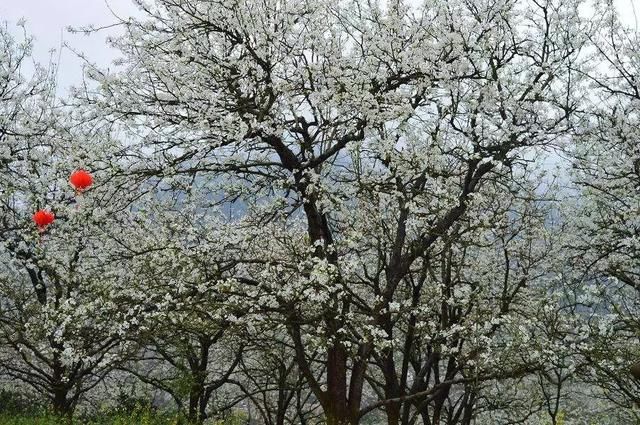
[{"x": 47, "y": 21}]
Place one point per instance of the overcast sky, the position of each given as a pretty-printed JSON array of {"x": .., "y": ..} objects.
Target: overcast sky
[{"x": 47, "y": 20}]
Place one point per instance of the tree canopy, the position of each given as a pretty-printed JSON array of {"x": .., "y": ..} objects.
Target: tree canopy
[{"x": 341, "y": 212}]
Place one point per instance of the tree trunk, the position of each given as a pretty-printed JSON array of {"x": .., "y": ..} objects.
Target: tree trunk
[
  {"x": 195, "y": 396},
  {"x": 336, "y": 409},
  {"x": 340, "y": 418},
  {"x": 198, "y": 394},
  {"x": 60, "y": 403},
  {"x": 393, "y": 414},
  {"x": 339, "y": 409}
]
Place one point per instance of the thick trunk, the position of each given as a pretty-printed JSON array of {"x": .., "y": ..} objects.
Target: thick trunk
[
  {"x": 339, "y": 408},
  {"x": 199, "y": 397},
  {"x": 341, "y": 401},
  {"x": 60, "y": 402},
  {"x": 392, "y": 390},
  {"x": 340, "y": 418},
  {"x": 196, "y": 394},
  {"x": 393, "y": 414}
]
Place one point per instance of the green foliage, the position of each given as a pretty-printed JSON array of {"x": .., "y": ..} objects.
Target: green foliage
[
  {"x": 128, "y": 402},
  {"x": 236, "y": 418},
  {"x": 12, "y": 402},
  {"x": 138, "y": 416}
]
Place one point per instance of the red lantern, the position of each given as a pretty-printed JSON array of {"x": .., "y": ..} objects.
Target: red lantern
[
  {"x": 81, "y": 180},
  {"x": 43, "y": 218}
]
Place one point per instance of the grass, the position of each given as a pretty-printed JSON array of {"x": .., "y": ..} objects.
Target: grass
[
  {"x": 138, "y": 417},
  {"x": 116, "y": 419},
  {"x": 19, "y": 409}
]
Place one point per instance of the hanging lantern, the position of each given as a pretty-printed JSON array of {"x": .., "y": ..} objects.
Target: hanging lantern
[
  {"x": 81, "y": 180},
  {"x": 43, "y": 218}
]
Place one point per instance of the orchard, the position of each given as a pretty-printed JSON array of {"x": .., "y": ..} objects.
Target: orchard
[{"x": 328, "y": 212}]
